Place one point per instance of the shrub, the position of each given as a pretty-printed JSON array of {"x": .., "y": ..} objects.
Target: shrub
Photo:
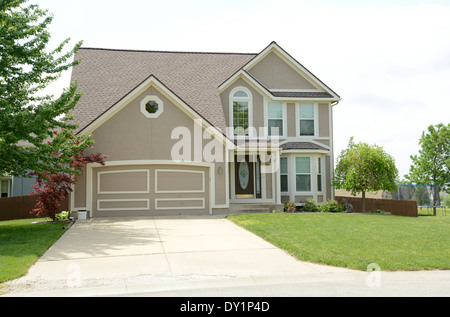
[
  {"x": 310, "y": 205},
  {"x": 331, "y": 206},
  {"x": 61, "y": 216},
  {"x": 290, "y": 206}
]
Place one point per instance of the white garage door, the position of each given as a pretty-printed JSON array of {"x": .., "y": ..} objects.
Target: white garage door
[{"x": 150, "y": 190}]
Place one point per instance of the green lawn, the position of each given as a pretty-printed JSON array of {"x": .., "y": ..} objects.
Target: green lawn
[
  {"x": 356, "y": 240},
  {"x": 22, "y": 243}
]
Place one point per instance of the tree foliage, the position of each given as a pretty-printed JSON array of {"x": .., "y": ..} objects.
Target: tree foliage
[
  {"x": 364, "y": 168},
  {"x": 432, "y": 165},
  {"x": 28, "y": 117},
  {"x": 53, "y": 187}
]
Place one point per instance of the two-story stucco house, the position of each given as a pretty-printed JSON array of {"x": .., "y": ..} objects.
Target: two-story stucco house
[{"x": 203, "y": 133}]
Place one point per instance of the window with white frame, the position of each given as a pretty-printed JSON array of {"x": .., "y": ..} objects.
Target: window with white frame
[
  {"x": 306, "y": 119},
  {"x": 275, "y": 117},
  {"x": 303, "y": 174},
  {"x": 5, "y": 188},
  {"x": 284, "y": 174},
  {"x": 240, "y": 112},
  {"x": 319, "y": 174},
  {"x": 152, "y": 107}
]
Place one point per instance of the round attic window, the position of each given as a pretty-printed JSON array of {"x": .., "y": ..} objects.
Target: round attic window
[{"x": 152, "y": 107}]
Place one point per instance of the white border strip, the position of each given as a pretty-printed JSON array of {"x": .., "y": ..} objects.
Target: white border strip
[
  {"x": 179, "y": 191},
  {"x": 179, "y": 208},
  {"x": 122, "y": 200},
  {"x": 147, "y": 191}
]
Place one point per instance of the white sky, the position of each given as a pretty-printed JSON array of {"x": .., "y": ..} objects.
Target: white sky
[{"x": 388, "y": 59}]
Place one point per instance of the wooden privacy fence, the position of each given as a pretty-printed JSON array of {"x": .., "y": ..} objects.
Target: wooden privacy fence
[
  {"x": 13, "y": 208},
  {"x": 406, "y": 208}
]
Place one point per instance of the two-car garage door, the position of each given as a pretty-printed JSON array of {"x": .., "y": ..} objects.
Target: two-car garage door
[{"x": 150, "y": 190}]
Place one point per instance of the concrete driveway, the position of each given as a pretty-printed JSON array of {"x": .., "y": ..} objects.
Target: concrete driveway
[{"x": 172, "y": 256}]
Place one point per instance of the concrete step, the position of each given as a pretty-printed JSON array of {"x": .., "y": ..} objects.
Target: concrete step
[{"x": 253, "y": 208}]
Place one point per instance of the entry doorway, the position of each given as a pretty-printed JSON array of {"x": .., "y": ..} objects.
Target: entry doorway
[{"x": 247, "y": 182}]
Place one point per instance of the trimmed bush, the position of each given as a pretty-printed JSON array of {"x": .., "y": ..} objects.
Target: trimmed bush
[
  {"x": 310, "y": 205},
  {"x": 331, "y": 206}
]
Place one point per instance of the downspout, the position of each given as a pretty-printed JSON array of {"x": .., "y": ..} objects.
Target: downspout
[{"x": 332, "y": 149}]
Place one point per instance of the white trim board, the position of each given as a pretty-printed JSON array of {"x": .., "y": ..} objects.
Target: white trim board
[
  {"x": 99, "y": 201},
  {"x": 157, "y": 191},
  {"x": 179, "y": 199},
  {"x": 99, "y": 192}
]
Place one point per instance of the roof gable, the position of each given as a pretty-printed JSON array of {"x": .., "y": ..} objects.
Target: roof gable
[
  {"x": 260, "y": 70},
  {"x": 276, "y": 74}
]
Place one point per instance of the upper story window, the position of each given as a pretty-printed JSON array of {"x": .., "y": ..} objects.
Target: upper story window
[
  {"x": 306, "y": 119},
  {"x": 241, "y": 111},
  {"x": 152, "y": 107},
  {"x": 275, "y": 119}
]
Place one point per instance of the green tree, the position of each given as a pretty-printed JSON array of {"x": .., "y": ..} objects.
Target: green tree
[
  {"x": 362, "y": 167},
  {"x": 27, "y": 116},
  {"x": 432, "y": 164},
  {"x": 446, "y": 201}
]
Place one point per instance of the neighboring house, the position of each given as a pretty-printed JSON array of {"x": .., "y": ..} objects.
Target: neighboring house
[
  {"x": 5, "y": 186},
  {"x": 380, "y": 194},
  {"x": 11, "y": 186},
  {"x": 187, "y": 132}
]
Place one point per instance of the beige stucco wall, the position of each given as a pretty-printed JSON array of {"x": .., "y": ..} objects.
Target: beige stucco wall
[
  {"x": 324, "y": 119},
  {"x": 79, "y": 194},
  {"x": 291, "y": 119},
  {"x": 274, "y": 73}
]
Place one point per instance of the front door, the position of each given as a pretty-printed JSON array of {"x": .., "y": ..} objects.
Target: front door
[{"x": 244, "y": 178}]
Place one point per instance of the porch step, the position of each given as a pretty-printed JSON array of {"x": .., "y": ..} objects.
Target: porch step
[{"x": 253, "y": 208}]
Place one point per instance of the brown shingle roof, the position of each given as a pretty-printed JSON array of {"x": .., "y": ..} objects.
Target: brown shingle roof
[
  {"x": 301, "y": 94},
  {"x": 301, "y": 146},
  {"x": 106, "y": 76}
]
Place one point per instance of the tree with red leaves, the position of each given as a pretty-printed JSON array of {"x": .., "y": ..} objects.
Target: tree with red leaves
[{"x": 53, "y": 187}]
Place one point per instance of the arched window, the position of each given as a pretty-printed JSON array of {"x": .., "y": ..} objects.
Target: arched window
[{"x": 241, "y": 111}]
